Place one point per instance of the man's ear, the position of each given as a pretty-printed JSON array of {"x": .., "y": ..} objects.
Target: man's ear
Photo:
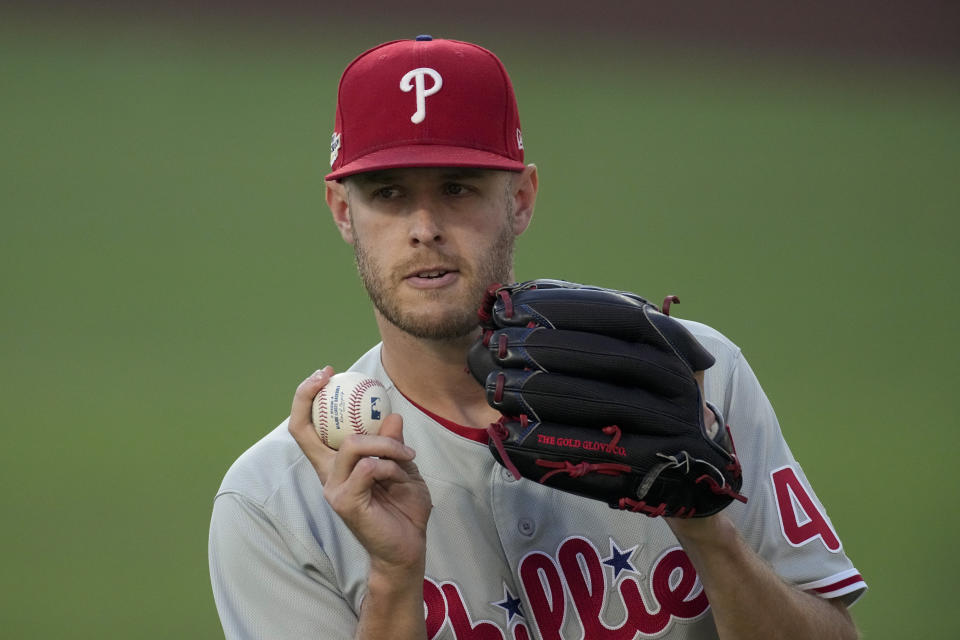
[
  {"x": 525, "y": 187},
  {"x": 340, "y": 208}
]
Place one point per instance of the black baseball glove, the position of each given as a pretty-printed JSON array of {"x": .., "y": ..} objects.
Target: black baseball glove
[{"x": 598, "y": 396}]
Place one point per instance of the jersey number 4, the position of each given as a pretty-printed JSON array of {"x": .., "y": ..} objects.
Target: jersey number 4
[{"x": 800, "y": 519}]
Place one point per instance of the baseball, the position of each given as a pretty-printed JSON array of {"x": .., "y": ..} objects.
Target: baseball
[{"x": 349, "y": 403}]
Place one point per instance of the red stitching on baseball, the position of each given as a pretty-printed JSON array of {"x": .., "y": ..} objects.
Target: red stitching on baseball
[
  {"x": 324, "y": 436},
  {"x": 354, "y": 408}
]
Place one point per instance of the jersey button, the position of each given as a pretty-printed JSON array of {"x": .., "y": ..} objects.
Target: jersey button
[
  {"x": 526, "y": 526},
  {"x": 507, "y": 475}
]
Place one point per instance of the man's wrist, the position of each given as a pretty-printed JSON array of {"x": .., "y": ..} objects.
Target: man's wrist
[
  {"x": 388, "y": 580},
  {"x": 393, "y": 604},
  {"x": 715, "y": 530}
]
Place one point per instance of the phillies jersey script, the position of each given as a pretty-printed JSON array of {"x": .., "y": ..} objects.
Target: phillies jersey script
[{"x": 509, "y": 559}]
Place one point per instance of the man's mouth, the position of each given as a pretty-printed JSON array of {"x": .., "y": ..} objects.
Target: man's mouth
[
  {"x": 437, "y": 273},
  {"x": 430, "y": 271},
  {"x": 431, "y": 277}
]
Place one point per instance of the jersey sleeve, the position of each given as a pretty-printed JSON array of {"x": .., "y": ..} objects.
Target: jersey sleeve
[
  {"x": 262, "y": 586},
  {"x": 784, "y": 520}
]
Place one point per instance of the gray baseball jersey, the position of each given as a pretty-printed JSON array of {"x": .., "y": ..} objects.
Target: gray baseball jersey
[{"x": 508, "y": 559}]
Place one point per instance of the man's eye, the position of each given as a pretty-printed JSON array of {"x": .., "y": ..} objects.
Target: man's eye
[
  {"x": 386, "y": 193},
  {"x": 454, "y": 189}
]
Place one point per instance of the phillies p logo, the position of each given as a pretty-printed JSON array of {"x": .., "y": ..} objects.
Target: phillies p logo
[{"x": 415, "y": 80}]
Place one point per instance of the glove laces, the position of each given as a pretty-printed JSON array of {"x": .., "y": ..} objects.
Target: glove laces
[
  {"x": 580, "y": 469},
  {"x": 583, "y": 468},
  {"x": 498, "y": 432}
]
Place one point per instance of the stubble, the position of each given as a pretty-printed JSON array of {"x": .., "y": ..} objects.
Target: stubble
[{"x": 445, "y": 315}]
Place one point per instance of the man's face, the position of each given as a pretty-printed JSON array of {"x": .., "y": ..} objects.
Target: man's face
[{"x": 428, "y": 242}]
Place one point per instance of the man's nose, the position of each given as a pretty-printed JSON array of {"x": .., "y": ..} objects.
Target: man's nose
[{"x": 425, "y": 225}]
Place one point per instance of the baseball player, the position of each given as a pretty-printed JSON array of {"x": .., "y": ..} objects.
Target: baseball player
[{"x": 419, "y": 532}]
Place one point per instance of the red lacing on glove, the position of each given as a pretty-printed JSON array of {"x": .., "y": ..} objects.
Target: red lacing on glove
[
  {"x": 498, "y": 392},
  {"x": 720, "y": 489},
  {"x": 498, "y": 432},
  {"x": 487, "y": 335},
  {"x": 581, "y": 469},
  {"x": 489, "y": 297},
  {"x": 639, "y": 506},
  {"x": 507, "y": 303},
  {"x": 615, "y": 431},
  {"x": 665, "y": 307},
  {"x": 502, "y": 345},
  {"x": 734, "y": 466}
]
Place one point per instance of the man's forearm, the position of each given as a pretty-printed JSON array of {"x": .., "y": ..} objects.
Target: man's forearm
[
  {"x": 392, "y": 608},
  {"x": 749, "y": 600}
]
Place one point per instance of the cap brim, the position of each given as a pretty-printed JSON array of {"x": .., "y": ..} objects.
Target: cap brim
[{"x": 425, "y": 155}]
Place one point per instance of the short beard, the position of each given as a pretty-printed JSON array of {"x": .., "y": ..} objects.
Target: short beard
[{"x": 494, "y": 265}]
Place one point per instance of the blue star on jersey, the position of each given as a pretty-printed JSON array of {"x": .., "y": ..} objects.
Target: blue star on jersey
[
  {"x": 620, "y": 560},
  {"x": 511, "y": 605}
]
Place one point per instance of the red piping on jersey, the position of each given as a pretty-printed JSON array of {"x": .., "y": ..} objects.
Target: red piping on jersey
[
  {"x": 471, "y": 433},
  {"x": 839, "y": 585}
]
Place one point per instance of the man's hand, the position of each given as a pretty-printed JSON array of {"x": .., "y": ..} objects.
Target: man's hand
[
  {"x": 373, "y": 484},
  {"x": 564, "y": 362},
  {"x": 749, "y": 600}
]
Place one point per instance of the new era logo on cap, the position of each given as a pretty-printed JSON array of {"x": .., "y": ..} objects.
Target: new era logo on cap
[{"x": 425, "y": 103}]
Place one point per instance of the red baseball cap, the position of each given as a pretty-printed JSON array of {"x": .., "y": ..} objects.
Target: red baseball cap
[{"x": 425, "y": 103}]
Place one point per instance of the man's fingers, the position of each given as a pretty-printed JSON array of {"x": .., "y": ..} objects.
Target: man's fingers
[
  {"x": 392, "y": 427},
  {"x": 336, "y": 467},
  {"x": 366, "y": 473},
  {"x": 355, "y": 448},
  {"x": 300, "y": 424},
  {"x": 303, "y": 398}
]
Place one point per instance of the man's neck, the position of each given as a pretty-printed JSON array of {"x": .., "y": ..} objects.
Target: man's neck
[{"x": 433, "y": 374}]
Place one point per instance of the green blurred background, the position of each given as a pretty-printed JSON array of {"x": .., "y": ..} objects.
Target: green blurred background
[{"x": 169, "y": 273}]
